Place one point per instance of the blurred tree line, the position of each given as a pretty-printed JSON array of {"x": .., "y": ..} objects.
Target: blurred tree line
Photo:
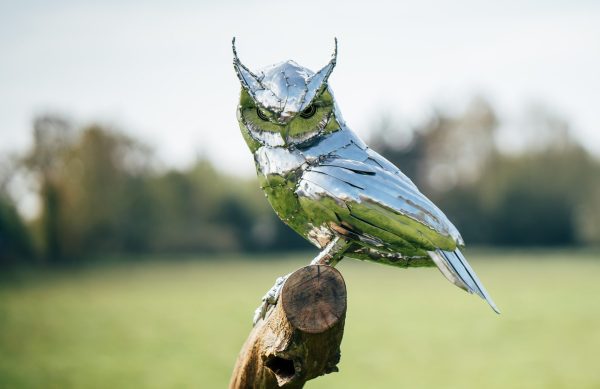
[
  {"x": 543, "y": 191},
  {"x": 101, "y": 192}
]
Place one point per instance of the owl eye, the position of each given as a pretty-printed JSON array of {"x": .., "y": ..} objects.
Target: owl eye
[
  {"x": 261, "y": 115},
  {"x": 308, "y": 112}
]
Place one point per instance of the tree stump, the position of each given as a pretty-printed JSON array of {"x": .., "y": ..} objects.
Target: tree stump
[{"x": 300, "y": 338}]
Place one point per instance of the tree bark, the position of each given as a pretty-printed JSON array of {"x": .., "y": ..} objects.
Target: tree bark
[{"x": 300, "y": 337}]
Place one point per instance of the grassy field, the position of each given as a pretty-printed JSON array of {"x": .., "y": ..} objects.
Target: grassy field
[{"x": 180, "y": 324}]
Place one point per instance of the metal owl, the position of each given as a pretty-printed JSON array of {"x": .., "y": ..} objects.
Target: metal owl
[{"x": 331, "y": 188}]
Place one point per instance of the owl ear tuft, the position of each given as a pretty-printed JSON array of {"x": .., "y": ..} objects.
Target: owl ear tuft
[
  {"x": 250, "y": 82},
  {"x": 316, "y": 83}
]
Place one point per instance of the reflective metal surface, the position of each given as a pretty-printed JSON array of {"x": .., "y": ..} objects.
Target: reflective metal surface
[
  {"x": 285, "y": 88},
  {"x": 329, "y": 186}
]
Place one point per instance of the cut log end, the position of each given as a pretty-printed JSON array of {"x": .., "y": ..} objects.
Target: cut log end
[
  {"x": 300, "y": 339},
  {"x": 314, "y": 298}
]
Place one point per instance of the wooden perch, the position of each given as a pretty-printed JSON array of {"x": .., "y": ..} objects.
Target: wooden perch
[{"x": 300, "y": 338}]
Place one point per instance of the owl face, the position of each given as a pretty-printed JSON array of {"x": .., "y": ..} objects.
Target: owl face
[
  {"x": 285, "y": 105},
  {"x": 263, "y": 127}
]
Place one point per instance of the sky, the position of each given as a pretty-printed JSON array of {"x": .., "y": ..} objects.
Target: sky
[{"x": 162, "y": 71}]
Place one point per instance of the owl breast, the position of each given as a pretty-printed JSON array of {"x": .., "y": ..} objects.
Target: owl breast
[
  {"x": 278, "y": 171},
  {"x": 278, "y": 161}
]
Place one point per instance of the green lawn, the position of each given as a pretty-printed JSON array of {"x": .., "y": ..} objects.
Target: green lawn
[{"x": 180, "y": 324}]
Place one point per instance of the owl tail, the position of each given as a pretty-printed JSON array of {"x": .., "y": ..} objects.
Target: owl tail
[{"x": 457, "y": 270}]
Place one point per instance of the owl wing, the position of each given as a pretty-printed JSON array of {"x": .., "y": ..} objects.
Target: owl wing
[
  {"x": 384, "y": 199},
  {"x": 374, "y": 195}
]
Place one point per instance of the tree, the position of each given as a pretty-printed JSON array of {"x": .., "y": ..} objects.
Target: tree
[
  {"x": 52, "y": 137},
  {"x": 15, "y": 241}
]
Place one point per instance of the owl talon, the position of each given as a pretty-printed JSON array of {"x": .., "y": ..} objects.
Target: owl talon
[{"x": 269, "y": 300}]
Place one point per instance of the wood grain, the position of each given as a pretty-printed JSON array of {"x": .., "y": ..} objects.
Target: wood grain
[{"x": 300, "y": 338}]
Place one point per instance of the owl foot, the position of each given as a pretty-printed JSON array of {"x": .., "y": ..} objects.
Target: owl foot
[
  {"x": 269, "y": 300},
  {"x": 330, "y": 256}
]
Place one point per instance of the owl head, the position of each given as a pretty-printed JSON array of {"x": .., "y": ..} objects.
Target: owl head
[{"x": 285, "y": 105}]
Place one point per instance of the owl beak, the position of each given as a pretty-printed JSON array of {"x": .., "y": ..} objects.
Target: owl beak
[
  {"x": 285, "y": 133},
  {"x": 285, "y": 117}
]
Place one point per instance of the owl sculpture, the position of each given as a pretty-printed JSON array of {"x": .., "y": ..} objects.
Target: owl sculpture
[{"x": 331, "y": 188}]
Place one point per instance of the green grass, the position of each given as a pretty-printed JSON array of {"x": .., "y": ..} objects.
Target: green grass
[{"x": 180, "y": 324}]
